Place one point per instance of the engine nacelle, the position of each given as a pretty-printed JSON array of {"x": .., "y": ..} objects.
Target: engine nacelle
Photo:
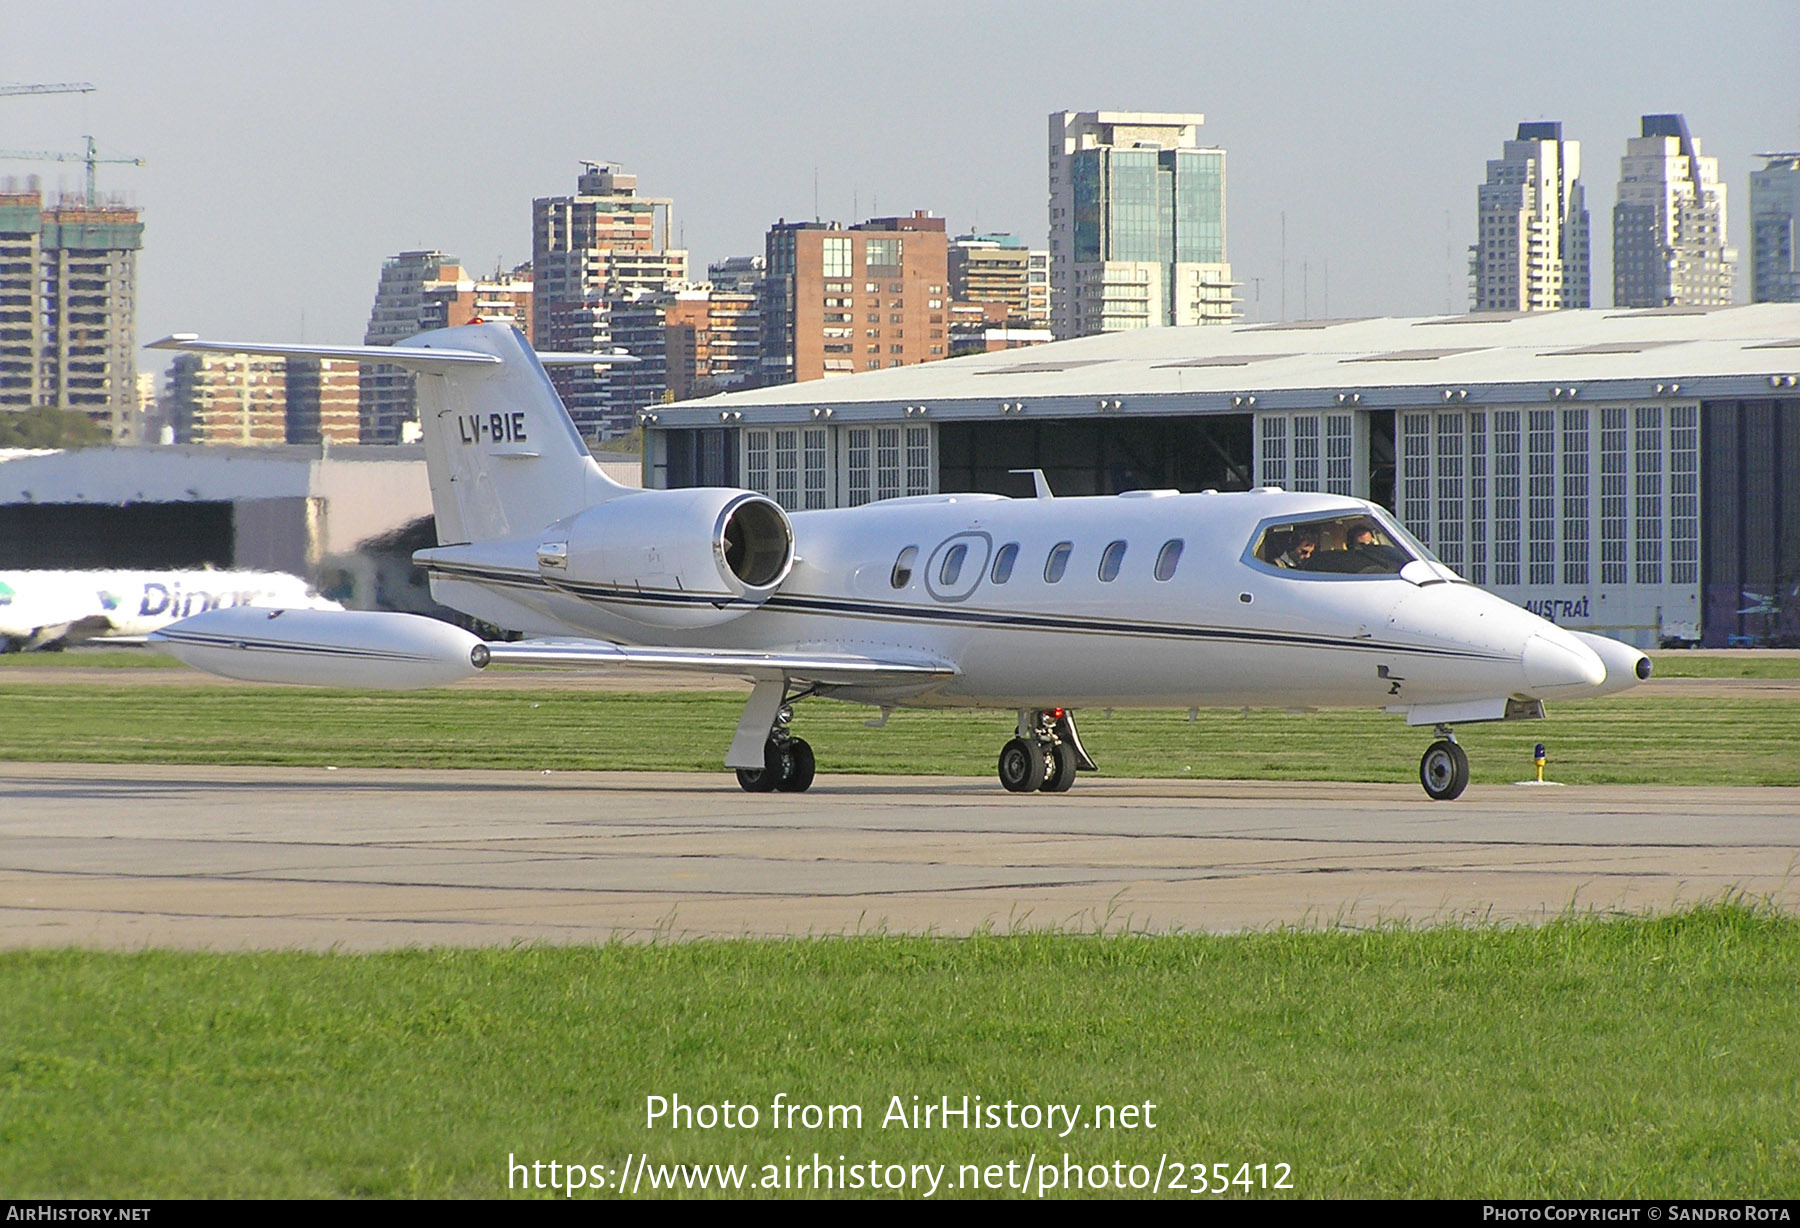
[{"x": 673, "y": 558}]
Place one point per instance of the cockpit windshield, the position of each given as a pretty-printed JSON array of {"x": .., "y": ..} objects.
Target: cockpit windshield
[{"x": 1353, "y": 543}]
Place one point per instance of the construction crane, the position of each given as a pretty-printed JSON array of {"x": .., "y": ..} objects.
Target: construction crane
[
  {"x": 60, "y": 87},
  {"x": 91, "y": 157}
]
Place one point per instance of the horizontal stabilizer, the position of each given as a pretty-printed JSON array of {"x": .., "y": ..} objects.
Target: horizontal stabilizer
[
  {"x": 415, "y": 358},
  {"x": 566, "y": 358}
]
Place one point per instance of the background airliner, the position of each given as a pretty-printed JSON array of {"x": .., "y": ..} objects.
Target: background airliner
[
  {"x": 51, "y": 609},
  {"x": 1039, "y": 606}
]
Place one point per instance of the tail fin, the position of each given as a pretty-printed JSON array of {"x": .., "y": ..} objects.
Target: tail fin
[{"x": 502, "y": 454}]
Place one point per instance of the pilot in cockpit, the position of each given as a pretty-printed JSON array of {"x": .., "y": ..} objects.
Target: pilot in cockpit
[
  {"x": 1300, "y": 553},
  {"x": 1348, "y": 545}
]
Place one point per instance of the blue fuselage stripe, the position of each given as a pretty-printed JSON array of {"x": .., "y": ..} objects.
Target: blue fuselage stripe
[{"x": 896, "y": 612}]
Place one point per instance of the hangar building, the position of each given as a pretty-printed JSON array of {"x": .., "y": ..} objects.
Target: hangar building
[
  {"x": 321, "y": 513},
  {"x": 345, "y": 518},
  {"x": 1633, "y": 472}
]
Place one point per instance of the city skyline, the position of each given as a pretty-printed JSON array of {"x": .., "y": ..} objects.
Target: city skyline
[{"x": 290, "y": 154}]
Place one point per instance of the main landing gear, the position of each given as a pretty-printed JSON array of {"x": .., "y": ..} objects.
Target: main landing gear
[
  {"x": 788, "y": 764},
  {"x": 1045, "y": 755},
  {"x": 1444, "y": 771}
]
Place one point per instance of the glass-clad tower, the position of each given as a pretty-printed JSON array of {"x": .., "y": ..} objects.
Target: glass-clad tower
[{"x": 1137, "y": 224}]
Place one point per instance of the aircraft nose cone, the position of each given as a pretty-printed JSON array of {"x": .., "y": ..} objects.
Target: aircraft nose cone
[{"x": 1561, "y": 664}]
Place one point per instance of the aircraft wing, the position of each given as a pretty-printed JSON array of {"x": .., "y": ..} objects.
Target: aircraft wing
[
  {"x": 825, "y": 668},
  {"x": 381, "y": 650}
]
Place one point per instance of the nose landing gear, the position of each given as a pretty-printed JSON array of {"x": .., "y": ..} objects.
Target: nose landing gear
[
  {"x": 1444, "y": 770},
  {"x": 1045, "y": 755}
]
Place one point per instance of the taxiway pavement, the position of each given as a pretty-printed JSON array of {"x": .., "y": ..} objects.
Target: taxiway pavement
[{"x": 127, "y": 857}]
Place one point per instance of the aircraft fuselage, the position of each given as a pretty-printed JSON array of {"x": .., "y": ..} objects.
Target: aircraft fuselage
[{"x": 1223, "y": 629}]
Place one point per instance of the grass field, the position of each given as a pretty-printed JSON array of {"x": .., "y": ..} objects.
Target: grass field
[
  {"x": 1623, "y": 739},
  {"x": 1647, "y": 1057},
  {"x": 1584, "y": 1058}
]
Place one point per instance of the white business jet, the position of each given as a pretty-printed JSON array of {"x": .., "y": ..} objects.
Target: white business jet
[{"x": 1043, "y": 606}]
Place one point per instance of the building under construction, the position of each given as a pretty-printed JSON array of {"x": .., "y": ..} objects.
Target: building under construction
[{"x": 68, "y": 307}]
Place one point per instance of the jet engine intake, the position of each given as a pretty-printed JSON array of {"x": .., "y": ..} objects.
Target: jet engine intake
[{"x": 673, "y": 558}]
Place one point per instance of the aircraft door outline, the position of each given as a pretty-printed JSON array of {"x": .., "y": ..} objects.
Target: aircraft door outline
[{"x": 952, "y": 577}]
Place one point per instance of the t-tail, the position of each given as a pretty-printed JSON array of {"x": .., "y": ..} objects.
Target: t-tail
[{"x": 503, "y": 456}]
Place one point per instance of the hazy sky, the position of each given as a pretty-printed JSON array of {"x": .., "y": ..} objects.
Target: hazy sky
[{"x": 291, "y": 147}]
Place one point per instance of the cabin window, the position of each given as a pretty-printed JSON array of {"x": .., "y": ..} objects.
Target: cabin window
[
  {"x": 1058, "y": 562},
  {"x": 1003, "y": 562},
  {"x": 903, "y": 567},
  {"x": 1110, "y": 560},
  {"x": 1168, "y": 559},
  {"x": 952, "y": 565}
]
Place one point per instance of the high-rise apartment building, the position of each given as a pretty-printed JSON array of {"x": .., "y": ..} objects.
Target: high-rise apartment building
[
  {"x": 1669, "y": 240},
  {"x": 689, "y": 342},
  {"x": 1531, "y": 250},
  {"x": 228, "y": 399},
  {"x": 737, "y": 273},
  {"x": 999, "y": 269},
  {"x": 386, "y": 393},
  {"x": 68, "y": 307},
  {"x": 504, "y": 298},
  {"x": 999, "y": 294},
  {"x": 1037, "y": 287},
  {"x": 21, "y": 307},
  {"x": 1775, "y": 230},
  {"x": 420, "y": 291},
  {"x": 864, "y": 298},
  {"x": 251, "y": 400},
  {"x": 639, "y": 326},
  {"x": 589, "y": 251},
  {"x": 711, "y": 339},
  {"x": 323, "y": 401},
  {"x": 1137, "y": 224}
]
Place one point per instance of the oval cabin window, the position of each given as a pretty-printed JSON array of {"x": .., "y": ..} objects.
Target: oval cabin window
[
  {"x": 1003, "y": 562},
  {"x": 1168, "y": 559},
  {"x": 1110, "y": 561},
  {"x": 903, "y": 567},
  {"x": 952, "y": 565},
  {"x": 1058, "y": 562}
]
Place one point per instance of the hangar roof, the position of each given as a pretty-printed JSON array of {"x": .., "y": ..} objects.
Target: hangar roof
[
  {"x": 185, "y": 473},
  {"x": 1504, "y": 358}
]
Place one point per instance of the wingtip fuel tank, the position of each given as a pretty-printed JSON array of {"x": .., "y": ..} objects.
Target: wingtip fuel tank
[{"x": 369, "y": 650}]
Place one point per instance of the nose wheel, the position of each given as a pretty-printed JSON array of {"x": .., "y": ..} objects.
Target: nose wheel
[{"x": 1444, "y": 770}]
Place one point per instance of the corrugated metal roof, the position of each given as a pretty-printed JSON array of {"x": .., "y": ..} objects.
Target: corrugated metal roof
[{"x": 1724, "y": 351}]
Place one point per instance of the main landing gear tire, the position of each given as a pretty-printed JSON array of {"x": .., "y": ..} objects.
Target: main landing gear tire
[
  {"x": 1444, "y": 771},
  {"x": 800, "y": 778},
  {"x": 1022, "y": 767},
  {"x": 1060, "y": 771},
  {"x": 788, "y": 766}
]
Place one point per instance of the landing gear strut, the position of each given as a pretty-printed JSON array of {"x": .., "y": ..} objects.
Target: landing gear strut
[
  {"x": 1045, "y": 755},
  {"x": 1444, "y": 771},
  {"x": 788, "y": 764}
]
